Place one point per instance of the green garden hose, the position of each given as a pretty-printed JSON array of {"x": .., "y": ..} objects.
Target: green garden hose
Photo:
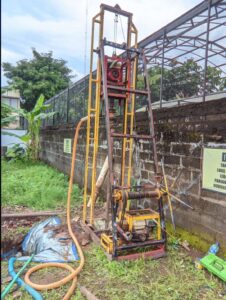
[{"x": 7, "y": 289}]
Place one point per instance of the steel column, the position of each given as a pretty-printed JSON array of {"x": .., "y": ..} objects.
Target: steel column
[{"x": 206, "y": 51}]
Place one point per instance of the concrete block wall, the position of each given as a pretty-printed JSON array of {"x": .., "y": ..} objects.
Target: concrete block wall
[{"x": 181, "y": 134}]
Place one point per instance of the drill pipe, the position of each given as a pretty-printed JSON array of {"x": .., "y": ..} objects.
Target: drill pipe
[{"x": 141, "y": 195}]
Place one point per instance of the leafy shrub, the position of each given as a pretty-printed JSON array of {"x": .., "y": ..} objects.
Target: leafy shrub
[
  {"x": 6, "y": 115},
  {"x": 16, "y": 153}
]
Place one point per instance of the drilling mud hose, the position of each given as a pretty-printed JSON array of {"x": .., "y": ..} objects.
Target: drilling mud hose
[{"x": 74, "y": 272}]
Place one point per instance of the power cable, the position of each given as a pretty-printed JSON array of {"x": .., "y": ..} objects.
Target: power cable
[
  {"x": 115, "y": 31},
  {"x": 122, "y": 29}
]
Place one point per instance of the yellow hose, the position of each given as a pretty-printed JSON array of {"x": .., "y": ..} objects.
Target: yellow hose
[{"x": 74, "y": 272}]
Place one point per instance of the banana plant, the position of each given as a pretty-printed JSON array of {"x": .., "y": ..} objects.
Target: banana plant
[{"x": 34, "y": 119}]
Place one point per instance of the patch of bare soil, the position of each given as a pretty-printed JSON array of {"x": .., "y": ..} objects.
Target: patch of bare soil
[
  {"x": 48, "y": 276},
  {"x": 11, "y": 243},
  {"x": 16, "y": 209},
  {"x": 13, "y": 232},
  {"x": 194, "y": 253}
]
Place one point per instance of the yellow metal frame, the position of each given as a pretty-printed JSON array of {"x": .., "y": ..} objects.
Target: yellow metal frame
[
  {"x": 106, "y": 242},
  {"x": 93, "y": 113},
  {"x": 129, "y": 116}
]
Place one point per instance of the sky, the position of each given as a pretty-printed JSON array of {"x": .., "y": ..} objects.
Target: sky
[{"x": 63, "y": 26}]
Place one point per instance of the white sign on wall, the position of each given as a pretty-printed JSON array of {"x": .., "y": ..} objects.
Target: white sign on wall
[
  {"x": 67, "y": 146},
  {"x": 214, "y": 170}
]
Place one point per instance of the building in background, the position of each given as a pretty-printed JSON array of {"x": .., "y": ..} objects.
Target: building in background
[{"x": 12, "y": 98}]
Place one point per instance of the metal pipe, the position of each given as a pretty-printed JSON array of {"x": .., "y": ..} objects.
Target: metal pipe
[
  {"x": 134, "y": 136},
  {"x": 110, "y": 146},
  {"x": 133, "y": 91},
  {"x": 206, "y": 51},
  {"x": 167, "y": 193},
  {"x": 126, "y": 235},
  {"x": 33, "y": 214},
  {"x": 67, "y": 108},
  {"x": 141, "y": 195},
  {"x": 107, "y": 204},
  {"x": 150, "y": 115},
  {"x": 162, "y": 69}
]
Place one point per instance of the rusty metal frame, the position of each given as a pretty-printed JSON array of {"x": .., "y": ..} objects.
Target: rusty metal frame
[
  {"x": 119, "y": 199},
  {"x": 201, "y": 28}
]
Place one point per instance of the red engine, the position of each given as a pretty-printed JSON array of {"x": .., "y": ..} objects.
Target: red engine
[
  {"x": 115, "y": 70},
  {"x": 114, "y": 74}
]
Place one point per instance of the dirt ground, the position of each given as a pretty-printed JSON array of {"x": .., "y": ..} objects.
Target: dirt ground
[
  {"x": 14, "y": 230},
  {"x": 172, "y": 277}
]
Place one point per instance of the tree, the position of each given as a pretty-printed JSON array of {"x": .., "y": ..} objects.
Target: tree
[
  {"x": 34, "y": 119},
  {"x": 214, "y": 82},
  {"x": 41, "y": 75},
  {"x": 182, "y": 80}
]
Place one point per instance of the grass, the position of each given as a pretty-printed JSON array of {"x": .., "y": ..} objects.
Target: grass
[
  {"x": 171, "y": 278},
  {"x": 175, "y": 277},
  {"x": 35, "y": 185}
]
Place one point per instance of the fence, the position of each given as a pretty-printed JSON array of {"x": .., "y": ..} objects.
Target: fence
[
  {"x": 70, "y": 105},
  {"x": 186, "y": 60}
]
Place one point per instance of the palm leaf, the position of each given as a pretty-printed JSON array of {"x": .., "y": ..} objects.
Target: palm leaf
[
  {"x": 11, "y": 134},
  {"x": 26, "y": 138},
  {"x": 39, "y": 104},
  {"x": 5, "y": 121}
]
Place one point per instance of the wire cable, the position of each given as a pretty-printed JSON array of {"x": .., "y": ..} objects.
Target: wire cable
[{"x": 122, "y": 29}]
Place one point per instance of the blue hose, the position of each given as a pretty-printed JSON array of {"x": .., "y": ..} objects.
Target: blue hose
[{"x": 20, "y": 282}]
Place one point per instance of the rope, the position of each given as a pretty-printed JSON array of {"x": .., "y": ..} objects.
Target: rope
[
  {"x": 115, "y": 31},
  {"x": 122, "y": 28}
]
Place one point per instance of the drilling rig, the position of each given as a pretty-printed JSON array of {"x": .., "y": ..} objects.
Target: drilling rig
[{"x": 132, "y": 232}]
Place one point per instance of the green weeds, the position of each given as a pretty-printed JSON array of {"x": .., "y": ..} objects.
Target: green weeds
[
  {"x": 174, "y": 277},
  {"x": 171, "y": 278},
  {"x": 35, "y": 185}
]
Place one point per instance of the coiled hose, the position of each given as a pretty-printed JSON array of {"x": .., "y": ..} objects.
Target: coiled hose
[{"x": 74, "y": 272}]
